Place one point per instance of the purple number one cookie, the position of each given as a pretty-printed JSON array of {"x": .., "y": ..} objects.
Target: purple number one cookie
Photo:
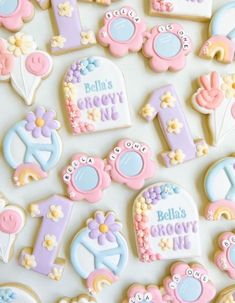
[
  {"x": 71, "y": 35},
  {"x": 165, "y": 104},
  {"x": 42, "y": 258}
]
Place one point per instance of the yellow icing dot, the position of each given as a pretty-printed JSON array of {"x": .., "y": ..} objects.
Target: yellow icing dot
[
  {"x": 39, "y": 122},
  {"x": 233, "y": 85},
  {"x": 103, "y": 228},
  {"x": 18, "y": 42}
]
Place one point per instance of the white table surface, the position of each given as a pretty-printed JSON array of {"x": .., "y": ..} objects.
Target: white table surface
[{"x": 140, "y": 82}]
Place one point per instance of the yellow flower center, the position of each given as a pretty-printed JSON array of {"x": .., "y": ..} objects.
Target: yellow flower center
[
  {"x": 39, "y": 122},
  {"x": 103, "y": 228},
  {"x": 233, "y": 85},
  {"x": 167, "y": 99},
  {"x": 173, "y": 126},
  {"x": 55, "y": 213},
  {"x": 177, "y": 157},
  {"x": 18, "y": 43},
  {"x": 49, "y": 242}
]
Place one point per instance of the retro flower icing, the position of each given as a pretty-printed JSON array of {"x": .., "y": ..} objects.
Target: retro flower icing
[
  {"x": 23, "y": 65},
  {"x": 103, "y": 228}
]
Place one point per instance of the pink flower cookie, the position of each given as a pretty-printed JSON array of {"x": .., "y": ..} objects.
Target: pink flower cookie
[
  {"x": 128, "y": 163},
  {"x": 188, "y": 283},
  {"x": 140, "y": 294},
  {"x": 123, "y": 31},
  {"x": 216, "y": 98},
  {"x": 167, "y": 47},
  {"x": 23, "y": 65},
  {"x": 13, "y": 13},
  {"x": 12, "y": 221},
  {"x": 86, "y": 178},
  {"x": 225, "y": 257}
]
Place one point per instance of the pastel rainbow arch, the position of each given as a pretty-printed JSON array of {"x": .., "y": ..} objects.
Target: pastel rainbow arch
[
  {"x": 98, "y": 279},
  {"x": 219, "y": 209},
  {"x": 218, "y": 47},
  {"x": 25, "y": 173}
]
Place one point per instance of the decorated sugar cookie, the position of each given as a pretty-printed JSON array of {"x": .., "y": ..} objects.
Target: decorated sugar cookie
[
  {"x": 55, "y": 213},
  {"x": 220, "y": 190},
  {"x": 70, "y": 35},
  {"x": 225, "y": 257},
  {"x": 13, "y": 13},
  {"x": 165, "y": 105},
  {"x": 32, "y": 146},
  {"x": 221, "y": 46},
  {"x": 101, "y": 241},
  {"x": 188, "y": 283},
  {"x": 23, "y": 65},
  {"x": 123, "y": 31},
  {"x": 79, "y": 299},
  {"x": 227, "y": 295},
  {"x": 140, "y": 294},
  {"x": 199, "y": 10},
  {"x": 167, "y": 47},
  {"x": 12, "y": 221},
  {"x": 17, "y": 293},
  {"x": 95, "y": 96},
  {"x": 128, "y": 163},
  {"x": 102, "y": 2},
  {"x": 216, "y": 98},
  {"x": 166, "y": 223}
]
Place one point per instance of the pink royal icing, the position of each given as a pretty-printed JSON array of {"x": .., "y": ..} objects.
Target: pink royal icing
[
  {"x": 38, "y": 64},
  {"x": 123, "y": 31},
  {"x": 167, "y": 47},
  {"x": 14, "y": 20},
  {"x": 10, "y": 221},
  {"x": 140, "y": 294}
]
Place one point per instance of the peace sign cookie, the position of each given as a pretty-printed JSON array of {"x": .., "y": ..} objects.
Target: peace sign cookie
[
  {"x": 32, "y": 146},
  {"x": 101, "y": 240}
]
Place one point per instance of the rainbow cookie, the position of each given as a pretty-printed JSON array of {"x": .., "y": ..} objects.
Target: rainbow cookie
[
  {"x": 220, "y": 190},
  {"x": 79, "y": 299},
  {"x": 12, "y": 221},
  {"x": 199, "y": 10},
  {"x": 220, "y": 45},
  {"x": 227, "y": 295},
  {"x": 166, "y": 223},
  {"x": 13, "y": 13},
  {"x": 188, "y": 283},
  {"x": 128, "y": 163},
  {"x": 71, "y": 35},
  {"x": 165, "y": 104},
  {"x": 32, "y": 146},
  {"x": 143, "y": 294},
  {"x": 17, "y": 293},
  {"x": 225, "y": 257},
  {"x": 23, "y": 65},
  {"x": 215, "y": 97},
  {"x": 101, "y": 240}
]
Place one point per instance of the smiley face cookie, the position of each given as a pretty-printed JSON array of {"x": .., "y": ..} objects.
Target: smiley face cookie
[
  {"x": 13, "y": 13},
  {"x": 32, "y": 146},
  {"x": 12, "y": 221},
  {"x": 95, "y": 96},
  {"x": 17, "y": 293},
  {"x": 101, "y": 240},
  {"x": 166, "y": 223},
  {"x": 23, "y": 65}
]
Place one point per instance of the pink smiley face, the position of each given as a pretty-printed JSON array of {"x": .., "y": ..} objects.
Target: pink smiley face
[
  {"x": 38, "y": 64},
  {"x": 130, "y": 163},
  {"x": 10, "y": 221},
  {"x": 86, "y": 178}
]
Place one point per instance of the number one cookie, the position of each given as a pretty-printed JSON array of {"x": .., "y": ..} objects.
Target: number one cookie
[
  {"x": 164, "y": 103},
  {"x": 70, "y": 36},
  {"x": 42, "y": 258}
]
